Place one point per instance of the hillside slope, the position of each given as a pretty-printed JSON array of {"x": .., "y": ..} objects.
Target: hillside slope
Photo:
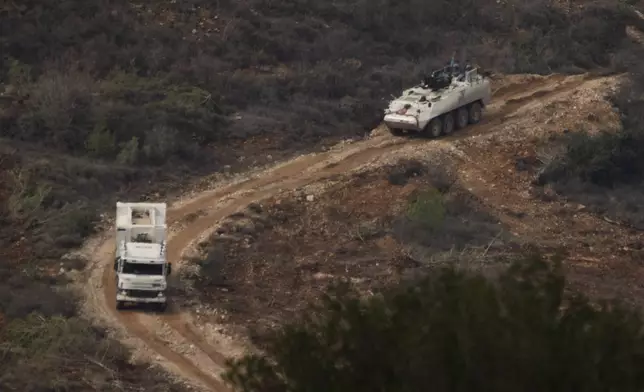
[
  {"x": 110, "y": 99},
  {"x": 87, "y": 77},
  {"x": 267, "y": 244}
]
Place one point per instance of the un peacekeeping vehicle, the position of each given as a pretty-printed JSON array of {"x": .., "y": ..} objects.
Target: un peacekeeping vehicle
[
  {"x": 140, "y": 263},
  {"x": 450, "y": 98}
]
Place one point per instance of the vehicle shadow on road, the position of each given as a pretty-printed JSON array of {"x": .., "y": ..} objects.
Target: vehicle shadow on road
[{"x": 149, "y": 309}]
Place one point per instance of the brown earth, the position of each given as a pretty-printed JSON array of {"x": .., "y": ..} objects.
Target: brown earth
[
  {"x": 262, "y": 266},
  {"x": 484, "y": 157}
]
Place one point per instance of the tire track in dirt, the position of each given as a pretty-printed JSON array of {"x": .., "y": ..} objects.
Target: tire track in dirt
[
  {"x": 299, "y": 172},
  {"x": 288, "y": 176},
  {"x": 510, "y": 99},
  {"x": 522, "y": 98}
]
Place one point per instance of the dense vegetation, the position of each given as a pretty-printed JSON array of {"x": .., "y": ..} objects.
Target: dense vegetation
[
  {"x": 99, "y": 98},
  {"x": 49, "y": 204},
  {"x": 455, "y": 331},
  {"x": 153, "y": 82}
]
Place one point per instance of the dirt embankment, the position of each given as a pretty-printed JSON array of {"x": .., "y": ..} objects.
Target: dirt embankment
[
  {"x": 261, "y": 266},
  {"x": 196, "y": 352}
]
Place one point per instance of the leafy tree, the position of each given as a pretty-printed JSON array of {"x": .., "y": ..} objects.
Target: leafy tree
[{"x": 454, "y": 331}]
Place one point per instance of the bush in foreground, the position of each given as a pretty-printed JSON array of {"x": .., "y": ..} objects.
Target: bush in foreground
[{"x": 455, "y": 331}]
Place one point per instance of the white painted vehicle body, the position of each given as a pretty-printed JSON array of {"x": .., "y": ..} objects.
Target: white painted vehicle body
[
  {"x": 419, "y": 105},
  {"x": 140, "y": 263}
]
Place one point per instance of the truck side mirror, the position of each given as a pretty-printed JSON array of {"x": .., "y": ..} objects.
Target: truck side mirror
[{"x": 169, "y": 268}]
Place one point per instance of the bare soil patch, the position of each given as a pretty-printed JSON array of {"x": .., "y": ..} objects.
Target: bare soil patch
[{"x": 263, "y": 265}]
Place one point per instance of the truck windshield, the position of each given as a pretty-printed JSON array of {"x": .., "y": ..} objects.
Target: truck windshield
[{"x": 142, "y": 269}]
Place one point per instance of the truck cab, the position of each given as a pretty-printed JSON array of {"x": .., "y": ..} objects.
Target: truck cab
[{"x": 140, "y": 264}]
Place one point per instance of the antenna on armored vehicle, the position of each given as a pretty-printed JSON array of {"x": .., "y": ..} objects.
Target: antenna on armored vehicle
[
  {"x": 462, "y": 60},
  {"x": 448, "y": 98},
  {"x": 452, "y": 64}
]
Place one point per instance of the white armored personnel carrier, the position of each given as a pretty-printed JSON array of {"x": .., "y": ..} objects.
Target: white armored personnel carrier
[{"x": 450, "y": 98}]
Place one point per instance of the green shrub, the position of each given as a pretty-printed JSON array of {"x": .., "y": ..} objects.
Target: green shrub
[
  {"x": 606, "y": 159},
  {"x": 19, "y": 75},
  {"x": 129, "y": 153},
  {"x": 27, "y": 195},
  {"x": 427, "y": 209},
  {"x": 101, "y": 143},
  {"x": 54, "y": 353},
  {"x": 160, "y": 143},
  {"x": 454, "y": 331}
]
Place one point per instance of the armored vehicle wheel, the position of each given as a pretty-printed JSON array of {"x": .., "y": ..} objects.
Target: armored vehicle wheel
[
  {"x": 475, "y": 113},
  {"x": 120, "y": 305},
  {"x": 462, "y": 118},
  {"x": 448, "y": 123},
  {"x": 434, "y": 128}
]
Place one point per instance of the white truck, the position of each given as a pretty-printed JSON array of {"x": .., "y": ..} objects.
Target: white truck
[
  {"x": 140, "y": 263},
  {"x": 449, "y": 99}
]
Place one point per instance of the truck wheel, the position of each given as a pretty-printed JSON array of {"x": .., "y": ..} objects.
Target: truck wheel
[
  {"x": 434, "y": 128},
  {"x": 462, "y": 118},
  {"x": 396, "y": 131},
  {"x": 120, "y": 305},
  {"x": 162, "y": 307},
  {"x": 448, "y": 123},
  {"x": 475, "y": 113}
]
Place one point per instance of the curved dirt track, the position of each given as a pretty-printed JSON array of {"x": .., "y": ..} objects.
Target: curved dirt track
[{"x": 212, "y": 206}]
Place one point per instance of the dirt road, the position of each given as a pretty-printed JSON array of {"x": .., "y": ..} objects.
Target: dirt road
[{"x": 172, "y": 339}]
